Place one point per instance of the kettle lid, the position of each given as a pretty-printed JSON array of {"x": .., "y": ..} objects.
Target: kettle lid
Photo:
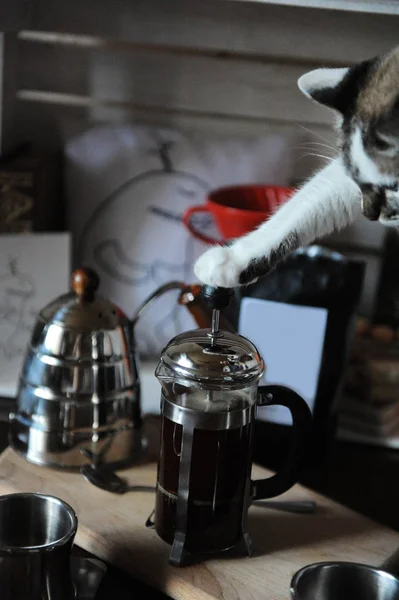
[
  {"x": 82, "y": 309},
  {"x": 226, "y": 359}
]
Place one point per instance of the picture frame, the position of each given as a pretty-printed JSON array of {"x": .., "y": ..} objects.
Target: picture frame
[{"x": 34, "y": 269}]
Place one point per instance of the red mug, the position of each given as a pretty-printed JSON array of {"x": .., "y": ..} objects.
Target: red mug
[{"x": 238, "y": 209}]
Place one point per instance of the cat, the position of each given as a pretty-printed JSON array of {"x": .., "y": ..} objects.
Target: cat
[{"x": 361, "y": 179}]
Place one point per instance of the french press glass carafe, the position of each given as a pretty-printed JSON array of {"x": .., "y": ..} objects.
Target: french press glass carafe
[{"x": 209, "y": 397}]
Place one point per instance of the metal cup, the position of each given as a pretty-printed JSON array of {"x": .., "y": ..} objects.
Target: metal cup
[
  {"x": 343, "y": 581},
  {"x": 36, "y": 537}
]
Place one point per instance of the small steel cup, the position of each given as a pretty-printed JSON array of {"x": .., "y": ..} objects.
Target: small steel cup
[
  {"x": 343, "y": 581},
  {"x": 36, "y": 537}
]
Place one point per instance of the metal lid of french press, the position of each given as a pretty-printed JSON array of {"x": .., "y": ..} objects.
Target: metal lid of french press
[
  {"x": 212, "y": 356},
  {"x": 82, "y": 309}
]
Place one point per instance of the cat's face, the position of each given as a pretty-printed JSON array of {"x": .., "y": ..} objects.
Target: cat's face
[{"x": 366, "y": 97}]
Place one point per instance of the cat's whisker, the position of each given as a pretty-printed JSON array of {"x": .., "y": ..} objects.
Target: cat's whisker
[
  {"x": 311, "y": 149},
  {"x": 310, "y": 143},
  {"x": 327, "y": 159},
  {"x": 319, "y": 155},
  {"x": 314, "y": 145},
  {"x": 318, "y": 135}
]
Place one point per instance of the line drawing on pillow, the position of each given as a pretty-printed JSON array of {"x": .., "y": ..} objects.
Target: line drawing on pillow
[{"x": 112, "y": 254}]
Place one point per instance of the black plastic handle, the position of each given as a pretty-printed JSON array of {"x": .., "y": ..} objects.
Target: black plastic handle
[
  {"x": 287, "y": 477},
  {"x": 217, "y": 297}
]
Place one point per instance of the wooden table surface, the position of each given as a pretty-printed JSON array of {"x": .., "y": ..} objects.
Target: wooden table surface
[
  {"x": 112, "y": 527},
  {"x": 360, "y": 477}
]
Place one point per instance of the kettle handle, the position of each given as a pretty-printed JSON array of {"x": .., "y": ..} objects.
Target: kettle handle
[
  {"x": 167, "y": 287},
  {"x": 190, "y": 297},
  {"x": 287, "y": 477}
]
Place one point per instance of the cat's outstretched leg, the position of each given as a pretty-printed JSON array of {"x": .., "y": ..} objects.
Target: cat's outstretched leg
[{"x": 327, "y": 202}]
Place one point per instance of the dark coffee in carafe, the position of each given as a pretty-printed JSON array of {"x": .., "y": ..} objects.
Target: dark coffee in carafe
[{"x": 217, "y": 485}]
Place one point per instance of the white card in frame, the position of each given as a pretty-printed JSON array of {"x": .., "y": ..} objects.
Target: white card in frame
[{"x": 34, "y": 269}]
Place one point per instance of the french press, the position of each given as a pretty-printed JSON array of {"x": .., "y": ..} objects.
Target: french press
[{"x": 210, "y": 393}]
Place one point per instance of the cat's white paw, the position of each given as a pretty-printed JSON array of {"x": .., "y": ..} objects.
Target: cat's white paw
[{"x": 218, "y": 267}]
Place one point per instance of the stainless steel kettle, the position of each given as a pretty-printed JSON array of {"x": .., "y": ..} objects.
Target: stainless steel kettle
[{"x": 78, "y": 399}]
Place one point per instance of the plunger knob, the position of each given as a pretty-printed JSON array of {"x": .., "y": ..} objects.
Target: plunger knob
[
  {"x": 217, "y": 298},
  {"x": 84, "y": 283}
]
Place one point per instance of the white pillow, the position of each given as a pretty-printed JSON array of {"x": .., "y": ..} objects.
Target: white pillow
[{"x": 127, "y": 189}]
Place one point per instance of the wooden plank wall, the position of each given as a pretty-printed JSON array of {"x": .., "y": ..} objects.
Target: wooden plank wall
[{"x": 226, "y": 67}]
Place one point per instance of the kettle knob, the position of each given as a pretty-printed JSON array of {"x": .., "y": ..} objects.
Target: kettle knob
[{"x": 84, "y": 283}]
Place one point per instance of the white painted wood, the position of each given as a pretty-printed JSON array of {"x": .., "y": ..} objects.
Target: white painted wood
[
  {"x": 190, "y": 84},
  {"x": 50, "y": 125},
  {"x": 200, "y": 62},
  {"x": 386, "y": 7},
  {"x": 248, "y": 28}
]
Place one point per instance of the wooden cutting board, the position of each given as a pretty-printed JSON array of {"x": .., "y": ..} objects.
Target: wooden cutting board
[{"x": 112, "y": 528}]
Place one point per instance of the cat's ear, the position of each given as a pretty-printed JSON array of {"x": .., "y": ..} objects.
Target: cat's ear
[{"x": 323, "y": 85}]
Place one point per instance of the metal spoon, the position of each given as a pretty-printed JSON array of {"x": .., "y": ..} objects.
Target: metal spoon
[{"x": 105, "y": 478}]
